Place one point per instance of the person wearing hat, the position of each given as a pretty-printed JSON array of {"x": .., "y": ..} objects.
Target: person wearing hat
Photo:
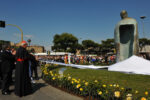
[{"x": 22, "y": 79}]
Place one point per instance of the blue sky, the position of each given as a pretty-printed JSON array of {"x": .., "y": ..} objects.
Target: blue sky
[{"x": 40, "y": 20}]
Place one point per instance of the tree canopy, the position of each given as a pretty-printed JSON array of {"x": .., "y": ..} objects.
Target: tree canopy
[
  {"x": 65, "y": 42},
  {"x": 89, "y": 46},
  {"x": 143, "y": 42},
  {"x": 107, "y": 45}
]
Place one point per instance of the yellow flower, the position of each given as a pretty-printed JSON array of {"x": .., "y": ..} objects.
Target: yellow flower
[
  {"x": 73, "y": 79},
  {"x": 55, "y": 64},
  {"x": 136, "y": 92},
  {"x": 100, "y": 92},
  {"x": 110, "y": 85},
  {"x": 81, "y": 89},
  {"x": 69, "y": 78},
  {"x": 117, "y": 85},
  {"x": 50, "y": 72},
  {"x": 86, "y": 83},
  {"x": 143, "y": 98},
  {"x": 95, "y": 81},
  {"x": 47, "y": 65},
  {"x": 117, "y": 94},
  {"x": 106, "y": 91},
  {"x": 122, "y": 88},
  {"x": 146, "y": 93},
  {"x": 72, "y": 82},
  {"x": 53, "y": 78},
  {"x": 78, "y": 82},
  {"x": 45, "y": 72},
  {"x": 129, "y": 97},
  {"x": 104, "y": 85},
  {"x": 78, "y": 86},
  {"x": 114, "y": 85}
]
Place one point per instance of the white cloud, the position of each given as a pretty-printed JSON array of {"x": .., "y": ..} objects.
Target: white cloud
[
  {"x": 17, "y": 35},
  {"x": 28, "y": 36}
]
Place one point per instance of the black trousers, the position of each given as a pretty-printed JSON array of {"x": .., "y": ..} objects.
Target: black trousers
[
  {"x": 34, "y": 69},
  {"x": 0, "y": 77},
  {"x": 0, "y": 73},
  {"x": 6, "y": 81}
]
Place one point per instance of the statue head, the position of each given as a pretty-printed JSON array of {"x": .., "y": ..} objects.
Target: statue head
[{"x": 124, "y": 14}]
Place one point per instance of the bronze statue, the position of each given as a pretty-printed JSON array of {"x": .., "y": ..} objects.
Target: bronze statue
[
  {"x": 126, "y": 37},
  {"x": 124, "y": 14}
]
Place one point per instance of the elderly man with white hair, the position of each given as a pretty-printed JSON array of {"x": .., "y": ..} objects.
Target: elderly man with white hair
[{"x": 22, "y": 79}]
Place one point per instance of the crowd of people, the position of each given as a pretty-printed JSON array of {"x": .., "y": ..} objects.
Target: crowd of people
[
  {"x": 24, "y": 63},
  {"x": 86, "y": 59}
]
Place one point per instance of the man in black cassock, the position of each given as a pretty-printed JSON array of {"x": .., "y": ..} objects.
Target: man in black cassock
[
  {"x": 22, "y": 79},
  {"x": 6, "y": 69}
]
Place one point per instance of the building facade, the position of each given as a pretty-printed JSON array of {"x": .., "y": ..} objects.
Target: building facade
[{"x": 37, "y": 49}]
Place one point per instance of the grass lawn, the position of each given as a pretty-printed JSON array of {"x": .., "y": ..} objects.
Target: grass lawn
[{"x": 136, "y": 82}]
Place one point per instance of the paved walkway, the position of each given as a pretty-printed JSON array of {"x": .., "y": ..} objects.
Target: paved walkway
[{"x": 42, "y": 91}]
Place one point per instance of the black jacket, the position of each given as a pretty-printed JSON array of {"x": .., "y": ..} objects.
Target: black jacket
[{"x": 7, "y": 61}]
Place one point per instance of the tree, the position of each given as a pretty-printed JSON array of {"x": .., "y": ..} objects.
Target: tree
[
  {"x": 107, "y": 45},
  {"x": 65, "y": 42},
  {"x": 143, "y": 42},
  {"x": 89, "y": 46}
]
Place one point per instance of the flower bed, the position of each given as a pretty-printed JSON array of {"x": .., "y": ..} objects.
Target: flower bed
[{"x": 93, "y": 90}]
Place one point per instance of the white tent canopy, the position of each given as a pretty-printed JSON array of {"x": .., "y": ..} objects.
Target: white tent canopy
[{"x": 134, "y": 64}]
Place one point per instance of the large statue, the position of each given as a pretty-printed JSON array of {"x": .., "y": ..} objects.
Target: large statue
[{"x": 126, "y": 37}]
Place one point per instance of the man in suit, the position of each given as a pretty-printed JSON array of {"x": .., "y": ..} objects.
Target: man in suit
[
  {"x": 33, "y": 65},
  {"x": 0, "y": 68},
  {"x": 6, "y": 68}
]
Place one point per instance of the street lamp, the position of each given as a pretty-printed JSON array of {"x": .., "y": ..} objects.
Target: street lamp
[
  {"x": 19, "y": 29},
  {"x": 3, "y": 24},
  {"x": 143, "y": 17},
  {"x": 29, "y": 41}
]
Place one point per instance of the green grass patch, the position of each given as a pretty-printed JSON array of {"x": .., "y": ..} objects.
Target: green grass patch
[
  {"x": 108, "y": 82},
  {"x": 134, "y": 81}
]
